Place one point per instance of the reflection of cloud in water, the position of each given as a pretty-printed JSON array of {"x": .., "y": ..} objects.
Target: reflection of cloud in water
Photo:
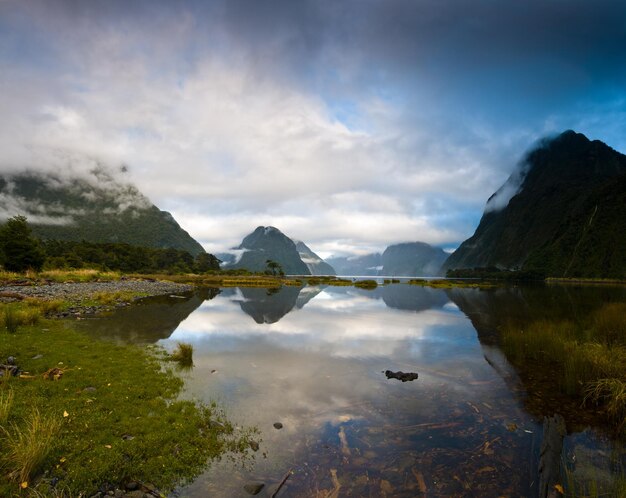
[{"x": 320, "y": 367}]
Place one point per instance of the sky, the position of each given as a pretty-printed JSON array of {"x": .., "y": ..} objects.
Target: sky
[{"x": 350, "y": 125}]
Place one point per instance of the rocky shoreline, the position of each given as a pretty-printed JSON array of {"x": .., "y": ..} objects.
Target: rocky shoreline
[{"x": 80, "y": 293}]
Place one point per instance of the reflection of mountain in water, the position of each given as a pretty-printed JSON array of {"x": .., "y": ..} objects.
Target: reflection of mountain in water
[
  {"x": 399, "y": 296},
  {"x": 149, "y": 320},
  {"x": 270, "y": 305},
  {"x": 491, "y": 310}
]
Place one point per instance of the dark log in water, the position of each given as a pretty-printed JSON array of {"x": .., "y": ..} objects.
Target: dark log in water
[{"x": 550, "y": 455}]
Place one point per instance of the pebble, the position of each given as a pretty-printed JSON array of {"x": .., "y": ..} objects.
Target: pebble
[{"x": 278, "y": 425}]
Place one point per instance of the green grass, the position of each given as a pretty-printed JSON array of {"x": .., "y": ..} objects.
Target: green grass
[
  {"x": 588, "y": 357},
  {"x": 118, "y": 409},
  {"x": 27, "y": 445},
  {"x": 451, "y": 283},
  {"x": 6, "y": 403}
]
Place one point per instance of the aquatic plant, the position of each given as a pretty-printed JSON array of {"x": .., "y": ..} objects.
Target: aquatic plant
[{"x": 183, "y": 354}]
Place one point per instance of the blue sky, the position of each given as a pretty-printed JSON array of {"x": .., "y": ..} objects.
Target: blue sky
[{"x": 350, "y": 125}]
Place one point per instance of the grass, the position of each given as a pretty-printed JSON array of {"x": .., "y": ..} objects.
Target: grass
[
  {"x": 28, "y": 445},
  {"x": 84, "y": 275},
  {"x": 6, "y": 403},
  {"x": 366, "y": 284},
  {"x": 588, "y": 357},
  {"x": 443, "y": 283},
  {"x": 13, "y": 316},
  {"x": 183, "y": 354},
  {"x": 119, "y": 414}
]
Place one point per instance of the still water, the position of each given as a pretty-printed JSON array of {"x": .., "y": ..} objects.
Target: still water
[{"x": 313, "y": 360}]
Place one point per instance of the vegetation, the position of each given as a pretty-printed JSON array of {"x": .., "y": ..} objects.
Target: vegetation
[
  {"x": 328, "y": 280},
  {"x": 366, "y": 284},
  {"x": 183, "y": 354},
  {"x": 492, "y": 273},
  {"x": 19, "y": 250},
  {"x": 450, "y": 283},
  {"x": 124, "y": 258},
  {"x": 273, "y": 268},
  {"x": 588, "y": 356},
  {"x": 111, "y": 415}
]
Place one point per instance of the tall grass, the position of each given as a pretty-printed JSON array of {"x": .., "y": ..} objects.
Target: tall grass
[
  {"x": 183, "y": 354},
  {"x": 6, "y": 402},
  {"x": 12, "y": 317},
  {"x": 26, "y": 446},
  {"x": 588, "y": 358}
]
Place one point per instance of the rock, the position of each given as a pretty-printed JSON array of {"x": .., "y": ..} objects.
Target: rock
[
  {"x": 127, "y": 437},
  {"x": 11, "y": 360},
  {"x": 135, "y": 494},
  {"x": 254, "y": 445},
  {"x": 254, "y": 488},
  {"x": 404, "y": 377},
  {"x": 89, "y": 389},
  {"x": 131, "y": 485},
  {"x": 278, "y": 425},
  {"x": 37, "y": 357}
]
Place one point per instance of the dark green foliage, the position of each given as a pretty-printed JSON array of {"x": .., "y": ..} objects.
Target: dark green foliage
[
  {"x": 99, "y": 210},
  {"x": 20, "y": 250},
  {"x": 567, "y": 220},
  {"x": 125, "y": 258},
  {"x": 497, "y": 274},
  {"x": 274, "y": 268}
]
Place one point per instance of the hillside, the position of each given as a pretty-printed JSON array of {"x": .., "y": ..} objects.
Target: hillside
[
  {"x": 412, "y": 259},
  {"x": 94, "y": 207},
  {"x": 566, "y": 216}
]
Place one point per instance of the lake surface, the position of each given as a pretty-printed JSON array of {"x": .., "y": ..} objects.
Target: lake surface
[{"x": 314, "y": 358}]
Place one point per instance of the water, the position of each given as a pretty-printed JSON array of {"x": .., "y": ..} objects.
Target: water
[{"x": 313, "y": 359}]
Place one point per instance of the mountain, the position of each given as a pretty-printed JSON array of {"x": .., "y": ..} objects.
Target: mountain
[
  {"x": 93, "y": 206},
  {"x": 562, "y": 212},
  {"x": 414, "y": 259},
  {"x": 316, "y": 265},
  {"x": 269, "y": 243},
  {"x": 367, "y": 265}
]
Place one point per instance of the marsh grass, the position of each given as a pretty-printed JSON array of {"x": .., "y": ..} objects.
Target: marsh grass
[
  {"x": 27, "y": 445},
  {"x": 10, "y": 319},
  {"x": 183, "y": 354},
  {"x": 588, "y": 357},
  {"x": 6, "y": 403},
  {"x": 82, "y": 275},
  {"x": 366, "y": 284}
]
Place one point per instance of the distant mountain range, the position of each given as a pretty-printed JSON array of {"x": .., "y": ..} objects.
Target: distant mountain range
[
  {"x": 315, "y": 264},
  {"x": 408, "y": 259},
  {"x": 94, "y": 207},
  {"x": 562, "y": 212}
]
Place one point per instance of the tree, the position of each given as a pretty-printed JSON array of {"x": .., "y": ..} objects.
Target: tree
[
  {"x": 205, "y": 262},
  {"x": 274, "y": 268},
  {"x": 20, "y": 250}
]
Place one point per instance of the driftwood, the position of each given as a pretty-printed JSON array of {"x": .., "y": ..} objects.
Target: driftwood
[
  {"x": 280, "y": 484},
  {"x": 550, "y": 455}
]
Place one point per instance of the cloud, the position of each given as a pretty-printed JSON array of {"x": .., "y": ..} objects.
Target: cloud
[{"x": 348, "y": 125}]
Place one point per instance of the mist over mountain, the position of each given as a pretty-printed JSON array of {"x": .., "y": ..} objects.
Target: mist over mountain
[
  {"x": 95, "y": 206},
  {"x": 562, "y": 212},
  {"x": 316, "y": 265},
  {"x": 409, "y": 259},
  {"x": 365, "y": 265},
  {"x": 413, "y": 259}
]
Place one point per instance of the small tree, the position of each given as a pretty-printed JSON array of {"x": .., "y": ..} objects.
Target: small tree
[
  {"x": 20, "y": 250},
  {"x": 274, "y": 268}
]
